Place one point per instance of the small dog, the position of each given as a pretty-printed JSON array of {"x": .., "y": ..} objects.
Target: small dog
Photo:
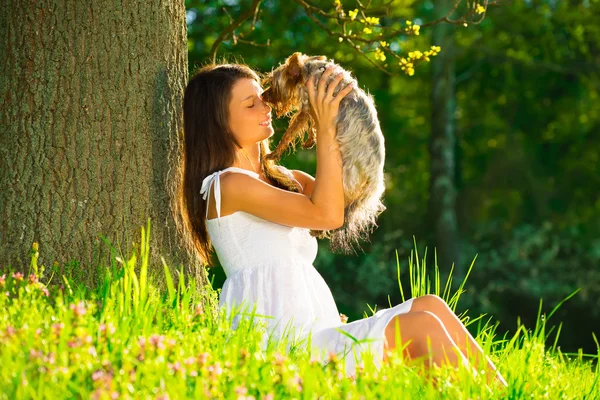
[{"x": 359, "y": 136}]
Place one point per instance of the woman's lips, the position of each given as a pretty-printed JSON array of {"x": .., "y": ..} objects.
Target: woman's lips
[{"x": 266, "y": 122}]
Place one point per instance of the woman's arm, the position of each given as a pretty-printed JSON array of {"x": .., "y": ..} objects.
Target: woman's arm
[
  {"x": 328, "y": 190},
  {"x": 324, "y": 209}
]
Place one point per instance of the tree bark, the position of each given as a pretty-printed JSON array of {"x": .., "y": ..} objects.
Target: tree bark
[
  {"x": 91, "y": 112},
  {"x": 442, "y": 192}
]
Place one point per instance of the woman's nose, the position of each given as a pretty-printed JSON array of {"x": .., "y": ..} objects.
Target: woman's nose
[{"x": 267, "y": 106}]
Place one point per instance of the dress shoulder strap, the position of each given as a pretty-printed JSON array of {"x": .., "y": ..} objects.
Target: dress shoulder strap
[{"x": 215, "y": 177}]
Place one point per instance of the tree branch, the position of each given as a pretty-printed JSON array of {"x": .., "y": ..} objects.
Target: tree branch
[
  {"x": 232, "y": 27},
  {"x": 320, "y": 17}
]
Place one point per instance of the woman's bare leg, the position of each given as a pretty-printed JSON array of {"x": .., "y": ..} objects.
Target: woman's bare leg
[
  {"x": 423, "y": 335},
  {"x": 457, "y": 330}
]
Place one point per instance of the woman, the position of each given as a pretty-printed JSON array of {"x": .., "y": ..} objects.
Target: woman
[{"x": 257, "y": 215}]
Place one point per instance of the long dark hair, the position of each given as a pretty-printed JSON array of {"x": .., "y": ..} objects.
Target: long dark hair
[{"x": 208, "y": 145}]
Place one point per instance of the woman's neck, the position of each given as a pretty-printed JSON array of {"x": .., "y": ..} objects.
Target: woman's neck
[{"x": 248, "y": 158}]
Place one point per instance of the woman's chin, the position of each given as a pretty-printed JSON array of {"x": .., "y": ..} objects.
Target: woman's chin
[{"x": 269, "y": 129}]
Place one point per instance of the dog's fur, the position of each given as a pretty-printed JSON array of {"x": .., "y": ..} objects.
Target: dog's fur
[{"x": 359, "y": 137}]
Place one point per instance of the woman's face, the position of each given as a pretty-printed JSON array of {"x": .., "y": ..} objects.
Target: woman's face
[{"x": 249, "y": 116}]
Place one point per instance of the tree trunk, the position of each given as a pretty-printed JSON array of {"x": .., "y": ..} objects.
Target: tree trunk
[
  {"x": 91, "y": 109},
  {"x": 442, "y": 200}
]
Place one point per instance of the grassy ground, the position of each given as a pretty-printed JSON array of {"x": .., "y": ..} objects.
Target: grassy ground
[{"x": 128, "y": 340}]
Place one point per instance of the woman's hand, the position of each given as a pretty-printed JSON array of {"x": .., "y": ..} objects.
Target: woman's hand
[{"x": 324, "y": 105}]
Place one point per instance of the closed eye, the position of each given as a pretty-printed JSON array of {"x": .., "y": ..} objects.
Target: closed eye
[{"x": 259, "y": 96}]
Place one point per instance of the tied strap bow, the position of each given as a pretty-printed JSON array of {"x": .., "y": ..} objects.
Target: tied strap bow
[{"x": 205, "y": 190}]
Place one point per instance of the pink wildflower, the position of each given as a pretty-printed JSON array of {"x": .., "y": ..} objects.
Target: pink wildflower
[
  {"x": 157, "y": 341},
  {"x": 241, "y": 391},
  {"x": 49, "y": 359},
  {"x": 189, "y": 361},
  {"x": 279, "y": 359},
  {"x": 17, "y": 276},
  {"x": 198, "y": 310},
  {"x": 32, "y": 279},
  {"x": 297, "y": 381},
  {"x": 132, "y": 376},
  {"x": 202, "y": 357},
  {"x": 96, "y": 394},
  {"x": 33, "y": 353},
  {"x": 176, "y": 366},
  {"x": 78, "y": 309},
  {"x": 57, "y": 328},
  {"x": 216, "y": 369},
  {"x": 99, "y": 374},
  {"x": 332, "y": 357},
  {"x": 110, "y": 328}
]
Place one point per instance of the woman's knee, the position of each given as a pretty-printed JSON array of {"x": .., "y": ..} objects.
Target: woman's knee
[
  {"x": 414, "y": 325},
  {"x": 431, "y": 303},
  {"x": 430, "y": 321},
  {"x": 415, "y": 329}
]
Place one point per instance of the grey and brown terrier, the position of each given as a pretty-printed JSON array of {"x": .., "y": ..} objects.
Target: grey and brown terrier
[{"x": 359, "y": 137}]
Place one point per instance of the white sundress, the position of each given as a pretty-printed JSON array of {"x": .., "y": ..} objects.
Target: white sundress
[{"x": 270, "y": 266}]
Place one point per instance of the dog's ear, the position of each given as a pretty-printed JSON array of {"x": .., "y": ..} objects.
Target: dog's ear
[{"x": 294, "y": 64}]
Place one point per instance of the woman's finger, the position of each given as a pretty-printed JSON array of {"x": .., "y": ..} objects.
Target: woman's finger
[
  {"x": 310, "y": 88},
  {"x": 312, "y": 95},
  {"x": 334, "y": 84},
  {"x": 310, "y": 85},
  {"x": 323, "y": 83},
  {"x": 342, "y": 93}
]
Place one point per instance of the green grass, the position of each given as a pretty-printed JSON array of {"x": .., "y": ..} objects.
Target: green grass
[{"x": 127, "y": 339}]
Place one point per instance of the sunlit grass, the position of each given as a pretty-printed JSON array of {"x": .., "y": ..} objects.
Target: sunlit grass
[{"x": 127, "y": 339}]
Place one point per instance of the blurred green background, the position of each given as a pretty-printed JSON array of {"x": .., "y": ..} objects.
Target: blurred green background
[{"x": 527, "y": 153}]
